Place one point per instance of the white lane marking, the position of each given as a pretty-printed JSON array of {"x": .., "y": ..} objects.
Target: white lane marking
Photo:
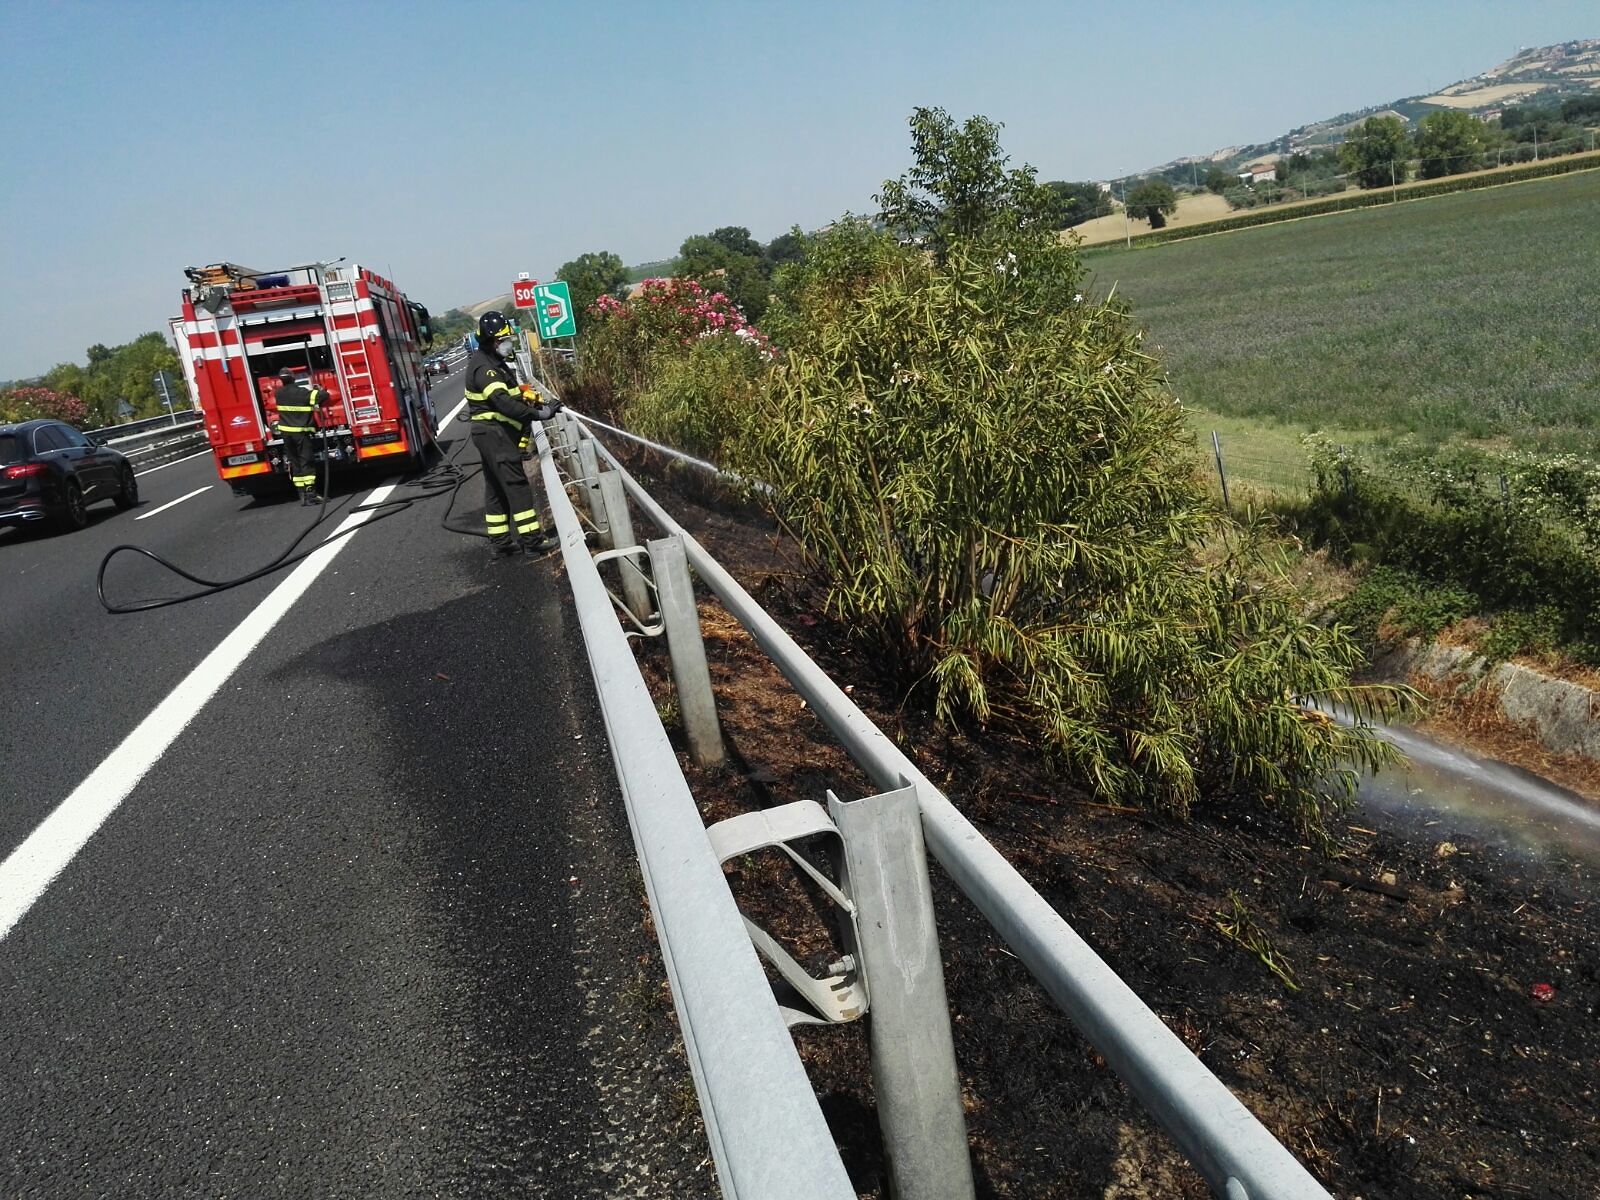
[
  {"x": 453, "y": 413},
  {"x": 173, "y": 463},
  {"x": 33, "y": 865},
  {"x": 170, "y": 503}
]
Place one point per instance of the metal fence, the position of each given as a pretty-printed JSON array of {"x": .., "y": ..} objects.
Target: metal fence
[
  {"x": 153, "y": 441},
  {"x": 766, "y": 1130},
  {"x": 1233, "y": 1151}
]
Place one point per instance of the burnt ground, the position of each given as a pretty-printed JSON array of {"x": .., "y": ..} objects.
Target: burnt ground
[{"x": 1412, "y": 1057}]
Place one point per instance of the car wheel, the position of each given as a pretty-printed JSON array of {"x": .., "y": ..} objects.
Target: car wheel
[
  {"x": 127, "y": 490},
  {"x": 74, "y": 512}
]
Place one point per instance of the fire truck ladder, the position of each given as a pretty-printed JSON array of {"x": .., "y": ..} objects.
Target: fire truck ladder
[
  {"x": 213, "y": 301},
  {"x": 339, "y": 291}
]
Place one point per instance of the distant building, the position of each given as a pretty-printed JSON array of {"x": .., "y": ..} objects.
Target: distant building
[{"x": 1261, "y": 172}]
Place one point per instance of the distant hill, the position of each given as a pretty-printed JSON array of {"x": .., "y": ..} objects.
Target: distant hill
[{"x": 1542, "y": 74}]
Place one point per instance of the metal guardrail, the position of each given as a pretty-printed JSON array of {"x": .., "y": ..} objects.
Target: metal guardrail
[
  {"x": 130, "y": 429},
  {"x": 1235, "y": 1153},
  {"x": 158, "y": 443},
  {"x": 768, "y": 1138}
]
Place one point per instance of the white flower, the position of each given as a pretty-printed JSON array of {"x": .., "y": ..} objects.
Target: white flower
[{"x": 1078, "y": 299}]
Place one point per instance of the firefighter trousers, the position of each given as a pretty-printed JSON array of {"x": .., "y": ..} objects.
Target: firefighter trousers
[
  {"x": 301, "y": 450},
  {"x": 508, "y": 507}
]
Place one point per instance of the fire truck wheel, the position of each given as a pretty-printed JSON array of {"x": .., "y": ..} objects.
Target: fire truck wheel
[
  {"x": 74, "y": 512},
  {"x": 127, "y": 490}
]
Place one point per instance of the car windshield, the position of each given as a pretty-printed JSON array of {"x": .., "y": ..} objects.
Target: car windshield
[{"x": 10, "y": 448}]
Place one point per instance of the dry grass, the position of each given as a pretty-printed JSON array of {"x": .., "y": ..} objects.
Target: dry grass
[
  {"x": 1478, "y": 97},
  {"x": 1192, "y": 210},
  {"x": 1473, "y": 720}
]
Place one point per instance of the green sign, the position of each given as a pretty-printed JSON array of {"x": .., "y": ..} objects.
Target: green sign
[{"x": 552, "y": 306}]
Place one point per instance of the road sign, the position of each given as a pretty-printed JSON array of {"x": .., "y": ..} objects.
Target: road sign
[
  {"x": 522, "y": 293},
  {"x": 554, "y": 310}
]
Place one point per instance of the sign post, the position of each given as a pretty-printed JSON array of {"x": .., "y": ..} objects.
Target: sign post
[{"x": 166, "y": 394}]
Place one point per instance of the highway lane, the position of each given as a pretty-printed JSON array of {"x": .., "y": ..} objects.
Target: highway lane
[
  {"x": 370, "y": 926},
  {"x": 76, "y": 680}
]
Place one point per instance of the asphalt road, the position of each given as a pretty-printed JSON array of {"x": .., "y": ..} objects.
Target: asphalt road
[{"x": 366, "y": 920}]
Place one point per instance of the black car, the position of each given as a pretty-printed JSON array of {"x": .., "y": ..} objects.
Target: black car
[{"x": 50, "y": 471}]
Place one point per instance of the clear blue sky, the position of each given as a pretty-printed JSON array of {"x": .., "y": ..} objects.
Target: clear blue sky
[{"x": 458, "y": 143}]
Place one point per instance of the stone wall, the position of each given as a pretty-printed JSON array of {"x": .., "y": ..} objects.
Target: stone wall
[{"x": 1566, "y": 716}]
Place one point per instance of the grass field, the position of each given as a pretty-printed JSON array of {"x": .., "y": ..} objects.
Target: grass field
[{"x": 1468, "y": 316}]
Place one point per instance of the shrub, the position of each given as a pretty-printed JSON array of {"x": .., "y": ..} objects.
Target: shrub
[
  {"x": 625, "y": 339},
  {"x": 987, "y": 472},
  {"x": 1526, "y": 545},
  {"x": 1389, "y": 604},
  {"x": 28, "y": 403},
  {"x": 701, "y": 400}
]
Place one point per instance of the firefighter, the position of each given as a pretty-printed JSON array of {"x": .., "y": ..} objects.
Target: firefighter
[
  {"x": 502, "y": 420},
  {"x": 297, "y": 425}
]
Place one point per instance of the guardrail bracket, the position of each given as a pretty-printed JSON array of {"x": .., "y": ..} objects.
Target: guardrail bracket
[{"x": 841, "y": 995}]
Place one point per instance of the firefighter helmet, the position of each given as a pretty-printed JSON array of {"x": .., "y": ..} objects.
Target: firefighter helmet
[{"x": 492, "y": 326}]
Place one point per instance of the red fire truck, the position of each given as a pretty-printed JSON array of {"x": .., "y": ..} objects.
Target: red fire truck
[{"x": 345, "y": 328}]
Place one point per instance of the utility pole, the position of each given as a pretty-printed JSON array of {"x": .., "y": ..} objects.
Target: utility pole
[{"x": 1127, "y": 229}]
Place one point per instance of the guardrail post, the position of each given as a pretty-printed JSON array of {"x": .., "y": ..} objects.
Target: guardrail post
[
  {"x": 619, "y": 536},
  {"x": 696, "y": 703},
  {"x": 913, "y": 1054},
  {"x": 589, "y": 477},
  {"x": 564, "y": 437}
]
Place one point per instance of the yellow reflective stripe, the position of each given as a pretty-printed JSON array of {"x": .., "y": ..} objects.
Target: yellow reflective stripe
[
  {"x": 295, "y": 429},
  {"x": 497, "y": 416},
  {"x": 500, "y": 520},
  {"x": 523, "y": 516},
  {"x": 294, "y": 408},
  {"x": 530, "y": 527},
  {"x": 499, "y": 385}
]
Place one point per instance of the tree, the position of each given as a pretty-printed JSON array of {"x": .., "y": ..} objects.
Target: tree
[
  {"x": 713, "y": 262},
  {"x": 786, "y": 248},
  {"x": 1078, "y": 202},
  {"x": 959, "y": 186},
  {"x": 1153, "y": 201},
  {"x": 592, "y": 275},
  {"x": 1581, "y": 110},
  {"x": 1376, "y": 151},
  {"x": 116, "y": 374},
  {"x": 1219, "y": 181},
  {"x": 1449, "y": 143},
  {"x": 738, "y": 240}
]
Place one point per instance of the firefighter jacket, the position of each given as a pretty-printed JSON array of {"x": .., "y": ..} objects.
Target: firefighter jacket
[
  {"x": 494, "y": 397},
  {"x": 297, "y": 407}
]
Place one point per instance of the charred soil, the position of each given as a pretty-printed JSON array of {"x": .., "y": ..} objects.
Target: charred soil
[{"x": 1430, "y": 1029}]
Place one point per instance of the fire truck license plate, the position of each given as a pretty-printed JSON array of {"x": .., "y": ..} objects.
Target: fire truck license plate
[{"x": 234, "y": 460}]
